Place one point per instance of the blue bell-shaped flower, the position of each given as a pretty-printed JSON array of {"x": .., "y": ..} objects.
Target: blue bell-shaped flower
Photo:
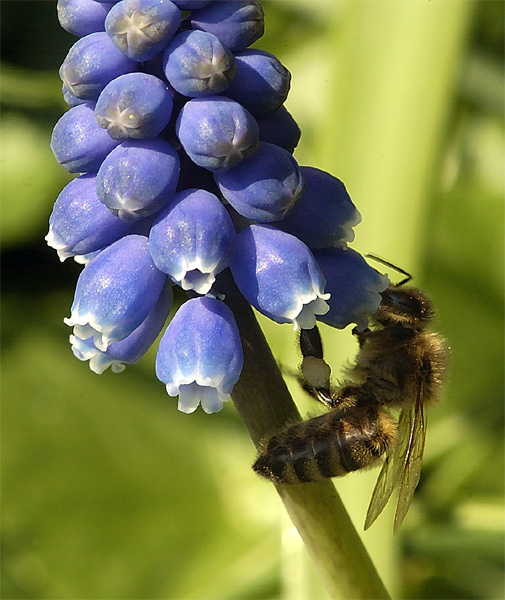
[
  {"x": 200, "y": 355},
  {"x": 115, "y": 292},
  {"x": 354, "y": 287},
  {"x": 133, "y": 347},
  {"x": 279, "y": 276},
  {"x": 193, "y": 240}
]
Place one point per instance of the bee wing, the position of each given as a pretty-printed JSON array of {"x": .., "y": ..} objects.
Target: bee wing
[
  {"x": 382, "y": 492},
  {"x": 391, "y": 471},
  {"x": 413, "y": 462}
]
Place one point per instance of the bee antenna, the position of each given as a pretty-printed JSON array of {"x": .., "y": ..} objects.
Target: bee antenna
[{"x": 408, "y": 276}]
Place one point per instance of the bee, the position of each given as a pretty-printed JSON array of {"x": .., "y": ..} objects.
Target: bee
[{"x": 377, "y": 411}]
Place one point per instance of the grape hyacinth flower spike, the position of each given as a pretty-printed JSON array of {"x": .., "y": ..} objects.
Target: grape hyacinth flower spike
[{"x": 182, "y": 148}]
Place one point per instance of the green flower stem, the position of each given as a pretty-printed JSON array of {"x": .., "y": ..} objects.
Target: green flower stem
[{"x": 265, "y": 405}]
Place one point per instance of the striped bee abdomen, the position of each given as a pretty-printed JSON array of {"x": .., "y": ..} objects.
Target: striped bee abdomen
[{"x": 330, "y": 445}]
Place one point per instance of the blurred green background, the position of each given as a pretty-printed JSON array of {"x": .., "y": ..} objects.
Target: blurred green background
[{"x": 108, "y": 491}]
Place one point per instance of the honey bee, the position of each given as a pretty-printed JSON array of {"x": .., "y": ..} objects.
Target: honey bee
[{"x": 377, "y": 411}]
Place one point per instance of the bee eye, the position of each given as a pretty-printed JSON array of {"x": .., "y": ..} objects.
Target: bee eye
[{"x": 410, "y": 304}]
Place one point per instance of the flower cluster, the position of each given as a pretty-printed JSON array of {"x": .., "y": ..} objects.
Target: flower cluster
[{"x": 183, "y": 150}]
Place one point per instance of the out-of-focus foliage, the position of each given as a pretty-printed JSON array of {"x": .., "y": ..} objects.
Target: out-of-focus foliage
[{"x": 109, "y": 492}]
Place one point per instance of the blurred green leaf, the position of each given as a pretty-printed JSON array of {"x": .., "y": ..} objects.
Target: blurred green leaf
[
  {"x": 30, "y": 179},
  {"x": 99, "y": 463},
  {"x": 29, "y": 88}
]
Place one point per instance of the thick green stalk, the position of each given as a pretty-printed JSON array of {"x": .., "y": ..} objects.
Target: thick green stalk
[{"x": 264, "y": 403}]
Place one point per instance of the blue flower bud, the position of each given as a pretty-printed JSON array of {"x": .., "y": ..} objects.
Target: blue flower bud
[
  {"x": 80, "y": 223},
  {"x": 91, "y": 63},
  {"x": 135, "y": 105},
  {"x": 197, "y": 64},
  {"x": 265, "y": 186},
  {"x": 279, "y": 128},
  {"x": 192, "y": 240},
  {"x": 138, "y": 178},
  {"x": 78, "y": 143},
  {"x": 133, "y": 347},
  {"x": 200, "y": 356},
  {"x": 216, "y": 132},
  {"x": 142, "y": 28},
  {"x": 115, "y": 292},
  {"x": 237, "y": 23},
  {"x": 261, "y": 82},
  {"x": 354, "y": 287},
  {"x": 324, "y": 215},
  {"x": 279, "y": 276},
  {"x": 82, "y": 17}
]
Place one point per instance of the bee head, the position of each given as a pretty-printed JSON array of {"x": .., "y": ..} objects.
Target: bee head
[{"x": 404, "y": 306}]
